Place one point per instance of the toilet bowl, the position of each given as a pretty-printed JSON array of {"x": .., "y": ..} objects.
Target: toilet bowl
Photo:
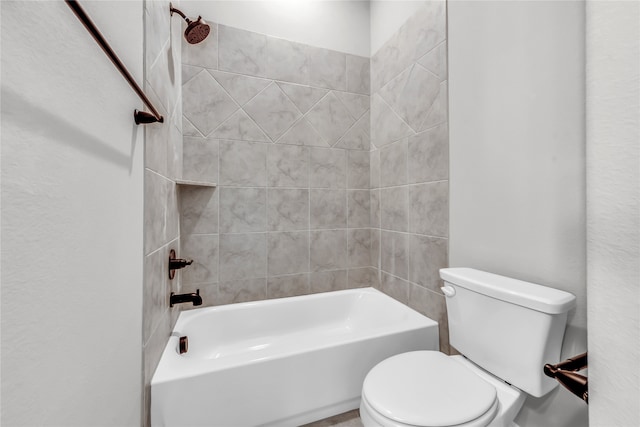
[
  {"x": 506, "y": 331},
  {"x": 429, "y": 388}
]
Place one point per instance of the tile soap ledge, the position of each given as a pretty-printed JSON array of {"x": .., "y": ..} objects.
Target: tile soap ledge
[{"x": 195, "y": 183}]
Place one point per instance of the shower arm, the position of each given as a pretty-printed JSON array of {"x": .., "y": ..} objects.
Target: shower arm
[{"x": 138, "y": 116}]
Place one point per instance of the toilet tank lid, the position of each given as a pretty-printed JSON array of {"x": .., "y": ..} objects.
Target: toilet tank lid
[{"x": 530, "y": 295}]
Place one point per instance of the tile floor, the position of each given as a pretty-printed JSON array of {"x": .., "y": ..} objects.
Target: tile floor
[{"x": 348, "y": 419}]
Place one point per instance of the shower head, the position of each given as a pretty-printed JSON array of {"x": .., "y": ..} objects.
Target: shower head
[{"x": 196, "y": 31}]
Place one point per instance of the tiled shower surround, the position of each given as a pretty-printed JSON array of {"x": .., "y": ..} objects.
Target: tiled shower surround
[
  {"x": 320, "y": 187},
  {"x": 410, "y": 163},
  {"x": 283, "y": 129}
]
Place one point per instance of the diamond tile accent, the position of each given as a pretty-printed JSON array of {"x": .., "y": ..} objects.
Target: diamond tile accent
[
  {"x": 386, "y": 126},
  {"x": 304, "y": 97},
  {"x": 411, "y": 94},
  {"x": 356, "y": 104},
  {"x": 436, "y": 61},
  {"x": 240, "y": 127},
  {"x": 302, "y": 133},
  {"x": 331, "y": 118},
  {"x": 241, "y": 88},
  {"x": 206, "y": 104},
  {"x": 356, "y": 138},
  {"x": 273, "y": 111}
]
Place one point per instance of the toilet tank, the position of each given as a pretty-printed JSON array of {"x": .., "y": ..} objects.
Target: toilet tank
[{"x": 508, "y": 327}]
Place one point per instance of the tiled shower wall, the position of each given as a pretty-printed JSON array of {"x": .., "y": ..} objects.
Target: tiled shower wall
[
  {"x": 283, "y": 129},
  {"x": 410, "y": 163},
  {"x": 163, "y": 164}
]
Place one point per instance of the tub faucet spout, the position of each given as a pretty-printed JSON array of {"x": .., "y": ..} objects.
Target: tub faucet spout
[{"x": 193, "y": 298}]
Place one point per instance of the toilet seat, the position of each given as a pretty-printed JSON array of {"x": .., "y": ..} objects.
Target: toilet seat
[{"x": 427, "y": 389}]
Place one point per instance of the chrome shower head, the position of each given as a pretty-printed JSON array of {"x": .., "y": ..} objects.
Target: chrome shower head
[{"x": 196, "y": 31}]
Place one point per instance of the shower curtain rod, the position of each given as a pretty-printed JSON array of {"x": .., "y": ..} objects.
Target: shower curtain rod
[{"x": 139, "y": 116}]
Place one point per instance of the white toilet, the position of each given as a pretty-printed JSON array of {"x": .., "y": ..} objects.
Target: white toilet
[{"x": 506, "y": 329}]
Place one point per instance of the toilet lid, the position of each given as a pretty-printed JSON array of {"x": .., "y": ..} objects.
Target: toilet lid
[{"x": 427, "y": 388}]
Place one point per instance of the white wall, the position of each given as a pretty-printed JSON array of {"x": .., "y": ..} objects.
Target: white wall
[
  {"x": 72, "y": 217},
  {"x": 517, "y": 146},
  {"x": 338, "y": 25},
  {"x": 386, "y": 17},
  {"x": 613, "y": 212}
]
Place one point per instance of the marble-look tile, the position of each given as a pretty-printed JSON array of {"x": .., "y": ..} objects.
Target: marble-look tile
[
  {"x": 411, "y": 94},
  {"x": 356, "y": 104},
  {"x": 243, "y": 209},
  {"x": 393, "y": 164},
  {"x": 243, "y": 164},
  {"x": 161, "y": 78},
  {"x": 330, "y": 118},
  {"x": 357, "y": 137},
  {"x": 358, "y": 208},
  {"x": 288, "y": 286},
  {"x": 241, "y": 88},
  {"x": 427, "y": 27},
  {"x": 358, "y": 170},
  {"x": 188, "y": 129},
  {"x": 189, "y": 72},
  {"x": 198, "y": 210},
  {"x": 394, "y": 212},
  {"x": 203, "y": 54},
  {"x": 376, "y": 254},
  {"x": 427, "y": 255},
  {"x": 155, "y": 195},
  {"x": 395, "y": 287},
  {"x": 241, "y": 51},
  {"x": 153, "y": 349},
  {"x": 304, "y": 97},
  {"x": 203, "y": 250},
  {"x": 393, "y": 57},
  {"x": 327, "y": 168},
  {"x": 157, "y": 29},
  {"x": 386, "y": 125},
  {"x": 205, "y": 103},
  {"x": 273, "y": 111},
  {"x": 359, "y": 247},
  {"x": 242, "y": 291},
  {"x": 287, "y": 253},
  {"x": 287, "y": 60},
  {"x": 156, "y": 289},
  {"x": 327, "y": 68},
  {"x": 439, "y": 109},
  {"x": 394, "y": 253},
  {"x": 429, "y": 208},
  {"x": 172, "y": 212},
  {"x": 287, "y": 209},
  {"x": 243, "y": 256},
  {"x": 328, "y": 209},
  {"x": 434, "y": 307},
  {"x": 362, "y": 278},
  {"x": 358, "y": 74},
  {"x": 328, "y": 250},
  {"x": 374, "y": 166},
  {"x": 156, "y": 147},
  {"x": 374, "y": 206},
  {"x": 174, "y": 153},
  {"x": 287, "y": 166},
  {"x": 200, "y": 159},
  {"x": 302, "y": 133},
  {"x": 429, "y": 155},
  {"x": 436, "y": 61},
  {"x": 328, "y": 281},
  {"x": 239, "y": 127}
]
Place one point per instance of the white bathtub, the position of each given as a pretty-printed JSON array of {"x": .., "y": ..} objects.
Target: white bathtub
[{"x": 281, "y": 362}]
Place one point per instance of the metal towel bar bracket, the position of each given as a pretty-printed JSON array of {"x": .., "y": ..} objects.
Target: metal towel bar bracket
[
  {"x": 565, "y": 373},
  {"x": 139, "y": 116}
]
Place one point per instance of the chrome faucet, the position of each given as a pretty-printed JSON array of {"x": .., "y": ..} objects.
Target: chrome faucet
[{"x": 193, "y": 298}]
